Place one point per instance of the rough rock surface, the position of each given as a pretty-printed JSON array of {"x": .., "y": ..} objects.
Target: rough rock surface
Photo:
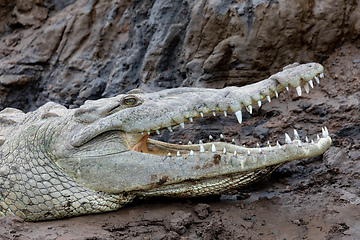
[{"x": 69, "y": 51}]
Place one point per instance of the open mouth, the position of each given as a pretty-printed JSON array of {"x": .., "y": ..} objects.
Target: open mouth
[
  {"x": 164, "y": 110},
  {"x": 122, "y": 140},
  {"x": 150, "y": 146},
  {"x": 143, "y": 143}
]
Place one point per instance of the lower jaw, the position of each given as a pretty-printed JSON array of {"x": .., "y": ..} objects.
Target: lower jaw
[
  {"x": 209, "y": 187},
  {"x": 154, "y": 147}
]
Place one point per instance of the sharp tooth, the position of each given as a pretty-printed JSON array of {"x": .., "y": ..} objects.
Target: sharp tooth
[
  {"x": 321, "y": 75},
  {"x": 306, "y": 139},
  {"x": 224, "y": 151},
  {"x": 169, "y": 154},
  {"x": 148, "y": 132},
  {"x": 306, "y": 87},
  {"x": 296, "y": 135},
  {"x": 235, "y": 154},
  {"x": 202, "y": 114},
  {"x": 222, "y": 138},
  {"x": 170, "y": 129},
  {"x": 225, "y": 113},
  {"x": 276, "y": 94},
  {"x": 242, "y": 163},
  {"x": 180, "y": 142},
  {"x": 268, "y": 98},
  {"x": 249, "y": 108},
  {"x": 324, "y": 132},
  {"x": 214, "y": 113},
  {"x": 312, "y": 141},
  {"x": 299, "y": 143},
  {"x": 233, "y": 141},
  {"x": 278, "y": 144},
  {"x": 191, "y": 119},
  {"x": 248, "y": 152},
  {"x": 178, "y": 154},
  {"x": 258, "y": 146},
  {"x": 317, "y": 79},
  {"x": 213, "y": 148},
  {"x": 298, "y": 90},
  {"x": 259, "y": 103},
  {"x": 238, "y": 115},
  {"x": 211, "y": 138},
  {"x": 157, "y": 131},
  {"x": 287, "y": 88},
  {"x": 270, "y": 148},
  {"x": 202, "y": 149},
  {"x": 191, "y": 153},
  {"x": 200, "y": 142},
  {"x": 318, "y": 138},
  {"x": 182, "y": 125},
  {"x": 287, "y": 139},
  {"x": 189, "y": 143},
  {"x": 311, "y": 83}
]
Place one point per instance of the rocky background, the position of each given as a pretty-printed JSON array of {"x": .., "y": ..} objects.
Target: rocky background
[{"x": 68, "y": 51}]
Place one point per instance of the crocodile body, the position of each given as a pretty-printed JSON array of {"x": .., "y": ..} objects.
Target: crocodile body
[{"x": 57, "y": 162}]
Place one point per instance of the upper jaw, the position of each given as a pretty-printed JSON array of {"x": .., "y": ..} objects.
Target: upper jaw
[{"x": 165, "y": 109}]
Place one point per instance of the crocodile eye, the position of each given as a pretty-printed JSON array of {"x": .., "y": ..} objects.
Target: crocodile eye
[{"x": 130, "y": 101}]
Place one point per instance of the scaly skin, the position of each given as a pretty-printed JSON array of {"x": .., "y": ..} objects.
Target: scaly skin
[{"x": 58, "y": 162}]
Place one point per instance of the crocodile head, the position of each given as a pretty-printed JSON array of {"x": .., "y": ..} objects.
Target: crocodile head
[{"x": 105, "y": 144}]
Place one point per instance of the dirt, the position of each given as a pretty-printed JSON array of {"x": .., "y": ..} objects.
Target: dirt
[{"x": 315, "y": 198}]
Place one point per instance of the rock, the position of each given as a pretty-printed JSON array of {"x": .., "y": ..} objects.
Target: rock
[
  {"x": 178, "y": 222},
  {"x": 213, "y": 230},
  {"x": 89, "y": 50},
  {"x": 355, "y": 155},
  {"x": 28, "y": 13},
  {"x": 19, "y": 80},
  {"x": 317, "y": 110},
  {"x": 172, "y": 236},
  {"x": 350, "y": 131},
  {"x": 14, "y": 80},
  {"x": 202, "y": 210},
  {"x": 335, "y": 157},
  {"x": 11, "y": 225},
  {"x": 261, "y": 132}
]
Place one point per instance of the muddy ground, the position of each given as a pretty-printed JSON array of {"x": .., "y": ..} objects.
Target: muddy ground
[{"x": 316, "y": 198}]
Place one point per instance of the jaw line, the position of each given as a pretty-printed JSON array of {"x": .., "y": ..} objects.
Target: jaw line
[{"x": 154, "y": 147}]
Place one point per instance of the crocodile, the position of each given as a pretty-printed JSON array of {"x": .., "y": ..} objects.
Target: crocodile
[{"x": 58, "y": 162}]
